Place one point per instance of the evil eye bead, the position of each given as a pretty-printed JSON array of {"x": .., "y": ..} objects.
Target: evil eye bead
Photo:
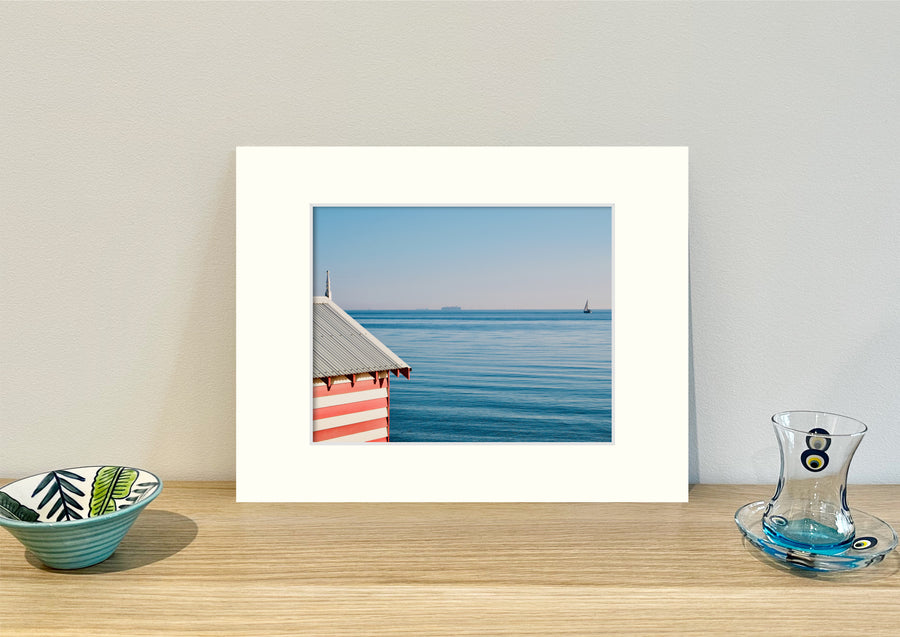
[
  {"x": 814, "y": 460},
  {"x": 778, "y": 520},
  {"x": 863, "y": 543},
  {"x": 806, "y": 560},
  {"x": 819, "y": 439}
]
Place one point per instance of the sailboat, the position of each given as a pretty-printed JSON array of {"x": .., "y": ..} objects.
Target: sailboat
[{"x": 587, "y": 309}]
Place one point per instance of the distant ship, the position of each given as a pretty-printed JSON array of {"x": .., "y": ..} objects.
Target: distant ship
[
  {"x": 451, "y": 308},
  {"x": 587, "y": 309}
]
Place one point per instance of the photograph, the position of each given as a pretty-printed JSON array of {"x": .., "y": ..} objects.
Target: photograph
[
  {"x": 458, "y": 324},
  {"x": 509, "y": 321}
]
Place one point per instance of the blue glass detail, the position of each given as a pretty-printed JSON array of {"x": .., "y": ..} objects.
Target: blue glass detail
[{"x": 806, "y": 535}]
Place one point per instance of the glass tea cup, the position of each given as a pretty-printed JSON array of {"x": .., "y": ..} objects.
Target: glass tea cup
[{"x": 809, "y": 509}]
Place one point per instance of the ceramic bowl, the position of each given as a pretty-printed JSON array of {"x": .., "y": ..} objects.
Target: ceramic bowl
[{"x": 72, "y": 518}]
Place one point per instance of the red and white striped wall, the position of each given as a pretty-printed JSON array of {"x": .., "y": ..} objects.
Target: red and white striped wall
[{"x": 352, "y": 410}]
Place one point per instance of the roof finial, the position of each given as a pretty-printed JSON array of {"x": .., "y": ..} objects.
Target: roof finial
[{"x": 327, "y": 284}]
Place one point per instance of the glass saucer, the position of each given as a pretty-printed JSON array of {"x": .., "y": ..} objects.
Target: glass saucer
[{"x": 874, "y": 539}]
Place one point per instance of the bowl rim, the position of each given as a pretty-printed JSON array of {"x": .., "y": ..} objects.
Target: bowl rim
[{"x": 134, "y": 508}]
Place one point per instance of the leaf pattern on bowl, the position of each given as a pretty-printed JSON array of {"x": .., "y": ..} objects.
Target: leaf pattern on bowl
[
  {"x": 110, "y": 484},
  {"x": 57, "y": 496},
  {"x": 57, "y": 484},
  {"x": 12, "y": 508},
  {"x": 138, "y": 493}
]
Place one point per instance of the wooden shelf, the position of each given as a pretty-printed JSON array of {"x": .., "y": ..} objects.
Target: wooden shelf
[{"x": 197, "y": 563}]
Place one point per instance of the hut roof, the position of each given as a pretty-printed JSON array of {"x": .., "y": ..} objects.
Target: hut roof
[{"x": 342, "y": 347}]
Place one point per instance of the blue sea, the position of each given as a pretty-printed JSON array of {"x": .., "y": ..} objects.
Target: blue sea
[{"x": 498, "y": 375}]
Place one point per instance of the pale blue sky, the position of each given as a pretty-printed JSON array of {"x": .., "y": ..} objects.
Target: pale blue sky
[{"x": 478, "y": 258}]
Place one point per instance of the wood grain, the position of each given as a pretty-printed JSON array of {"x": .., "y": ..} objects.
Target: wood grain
[{"x": 197, "y": 563}]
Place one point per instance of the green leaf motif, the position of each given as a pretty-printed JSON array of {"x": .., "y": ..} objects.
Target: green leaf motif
[
  {"x": 110, "y": 484},
  {"x": 15, "y": 509}
]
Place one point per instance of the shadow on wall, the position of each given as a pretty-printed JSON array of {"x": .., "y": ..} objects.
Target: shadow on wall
[
  {"x": 199, "y": 402},
  {"x": 693, "y": 445}
]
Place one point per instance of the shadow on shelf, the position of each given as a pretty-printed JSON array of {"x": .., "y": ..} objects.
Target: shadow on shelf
[
  {"x": 155, "y": 536},
  {"x": 884, "y": 569}
]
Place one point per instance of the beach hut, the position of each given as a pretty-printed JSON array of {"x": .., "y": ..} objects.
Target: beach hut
[{"x": 351, "y": 378}]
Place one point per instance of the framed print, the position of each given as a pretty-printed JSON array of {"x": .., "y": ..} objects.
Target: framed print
[{"x": 462, "y": 324}]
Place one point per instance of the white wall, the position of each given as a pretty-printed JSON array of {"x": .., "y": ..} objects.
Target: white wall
[{"x": 119, "y": 123}]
